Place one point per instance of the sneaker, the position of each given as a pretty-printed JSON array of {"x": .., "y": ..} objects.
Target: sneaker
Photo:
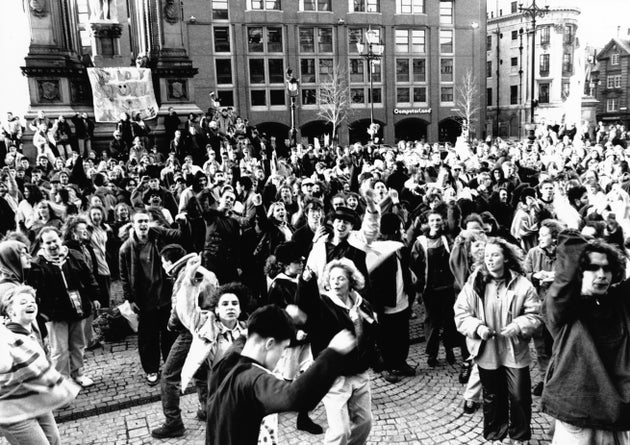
[
  {"x": 305, "y": 423},
  {"x": 450, "y": 357},
  {"x": 152, "y": 378},
  {"x": 84, "y": 381},
  {"x": 432, "y": 362},
  {"x": 464, "y": 373},
  {"x": 166, "y": 431},
  {"x": 390, "y": 376},
  {"x": 538, "y": 389},
  {"x": 470, "y": 406},
  {"x": 406, "y": 370}
]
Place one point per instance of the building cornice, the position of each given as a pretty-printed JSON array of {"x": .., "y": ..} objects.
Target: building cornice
[{"x": 516, "y": 17}]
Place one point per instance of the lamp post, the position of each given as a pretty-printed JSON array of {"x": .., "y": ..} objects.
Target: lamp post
[
  {"x": 293, "y": 86},
  {"x": 374, "y": 51},
  {"x": 533, "y": 11}
]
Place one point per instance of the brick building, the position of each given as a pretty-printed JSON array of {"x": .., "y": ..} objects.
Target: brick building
[{"x": 611, "y": 80}]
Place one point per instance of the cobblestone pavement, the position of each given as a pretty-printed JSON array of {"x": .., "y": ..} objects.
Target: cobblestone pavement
[{"x": 122, "y": 409}]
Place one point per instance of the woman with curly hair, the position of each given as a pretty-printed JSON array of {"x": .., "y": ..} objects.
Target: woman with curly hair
[{"x": 498, "y": 312}]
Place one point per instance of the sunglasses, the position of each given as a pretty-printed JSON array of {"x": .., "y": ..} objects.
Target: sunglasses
[{"x": 595, "y": 267}]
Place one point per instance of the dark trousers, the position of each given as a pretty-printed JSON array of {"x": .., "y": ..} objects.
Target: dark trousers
[
  {"x": 104, "y": 285},
  {"x": 153, "y": 338},
  {"x": 438, "y": 306},
  {"x": 394, "y": 339},
  {"x": 171, "y": 379},
  {"x": 543, "y": 342},
  {"x": 507, "y": 403}
]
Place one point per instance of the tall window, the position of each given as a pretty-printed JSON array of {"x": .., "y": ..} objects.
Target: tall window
[
  {"x": 446, "y": 41},
  {"x": 614, "y": 59},
  {"x": 268, "y": 5},
  {"x": 223, "y": 71},
  {"x": 514, "y": 7},
  {"x": 489, "y": 68},
  {"x": 566, "y": 89},
  {"x": 446, "y": 12},
  {"x": 488, "y": 43},
  {"x": 446, "y": 94},
  {"x": 410, "y": 40},
  {"x": 315, "y": 5},
  {"x": 543, "y": 93},
  {"x": 545, "y": 35},
  {"x": 513, "y": 94},
  {"x": 266, "y": 67},
  {"x": 544, "y": 64},
  {"x": 83, "y": 12},
  {"x": 569, "y": 34},
  {"x": 446, "y": 70},
  {"x": 489, "y": 97},
  {"x": 221, "y": 39},
  {"x": 567, "y": 63},
  {"x": 515, "y": 35},
  {"x": 409, "y": 6},
  {"x": 365, "y": 5},
  {"x": 220, "y": 9},
  {"x": 315, "y": 62},
  {"x": 613, "y": 81},
  {"x": 612, "y": 104},
  {"x": 411, "y": 72}
]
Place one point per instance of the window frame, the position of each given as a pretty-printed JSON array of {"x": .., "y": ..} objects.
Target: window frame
[
  {"x": 547, "y": 89},
  {"x": 264, "y": 5},
  {"x": 414, "y": 6},
  {"x": 317, "y": 6},
  {"x": 365, "y": 6},
  {"x": 614, "y": 59},
  {"x": 445, "y": 19},
  {"x": 226, "y": 9},
  {"x": 612, "y": 104}
]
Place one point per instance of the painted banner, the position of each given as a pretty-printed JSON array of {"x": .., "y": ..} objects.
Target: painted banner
[{"x": 122, "y": 90}]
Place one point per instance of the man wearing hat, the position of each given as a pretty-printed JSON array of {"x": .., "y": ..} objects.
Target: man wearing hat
[{"x": 345, "y": 242}]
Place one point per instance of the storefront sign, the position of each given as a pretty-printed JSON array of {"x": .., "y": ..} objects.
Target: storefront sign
[{"x": 411, "y": 111}]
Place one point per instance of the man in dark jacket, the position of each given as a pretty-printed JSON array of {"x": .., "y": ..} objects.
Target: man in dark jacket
[
  {"x": 243, "y": 390},
  {"x": 66, "y": 290},
  {"x": 587, "y": 386},
  {"x": 147, "y": 288}
]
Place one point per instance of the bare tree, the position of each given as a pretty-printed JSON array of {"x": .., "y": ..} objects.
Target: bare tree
[
  {"x": 334, "y": 98},
  {"x": 467, "y": 101}
]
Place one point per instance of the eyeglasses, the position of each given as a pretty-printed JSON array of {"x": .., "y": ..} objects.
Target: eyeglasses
[{"x": 595, "y": 267}]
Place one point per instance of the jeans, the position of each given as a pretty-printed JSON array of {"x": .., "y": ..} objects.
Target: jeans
[
  {"x": 473, "y": 391},
  {"x": 567, "y": 434},
  {"x": 40, "y": 430},
  {"x": 153, "y": 338},
  {"x": 440, "y": 315},
  {"x": 507, "y": 403},
  {"x": 67, "y": 344},
  {"x": 543, "y": 342},
  {"x": 170, "y": 383},
  {"x": 394, "y": 339},
  {"x": 348, "y": 410}
]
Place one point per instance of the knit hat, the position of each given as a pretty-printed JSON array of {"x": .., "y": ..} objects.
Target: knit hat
[
  {"x": 287, "y": 253},
  {"x": 390, "y": 223}
]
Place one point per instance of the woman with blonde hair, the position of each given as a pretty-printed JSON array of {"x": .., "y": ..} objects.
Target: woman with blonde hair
[
  {"x": 30, "y": 387},
  {"x": 348, "y": 403}
]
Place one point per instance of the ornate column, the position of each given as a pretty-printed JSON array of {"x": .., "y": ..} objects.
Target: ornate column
[{"x": 52, "y": 64}]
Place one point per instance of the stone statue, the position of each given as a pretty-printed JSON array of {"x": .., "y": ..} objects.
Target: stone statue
[
  {"x": 103, "y": 10},
  {"x": 38, "y": 7}
]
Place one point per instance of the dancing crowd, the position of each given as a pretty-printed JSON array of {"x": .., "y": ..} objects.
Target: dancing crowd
[{"x": 272, "y": 278}]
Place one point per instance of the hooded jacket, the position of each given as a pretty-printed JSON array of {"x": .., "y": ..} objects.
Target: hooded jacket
[{"x": 11, "y": 270}]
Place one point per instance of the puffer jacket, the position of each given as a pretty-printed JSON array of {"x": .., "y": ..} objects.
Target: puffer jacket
[{"x": 524, "y": 311}]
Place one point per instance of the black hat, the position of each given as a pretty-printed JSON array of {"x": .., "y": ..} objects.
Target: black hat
[
  {"x": 288, "y": 252},
  {"x": 346, "y": 214},
  {"x": 390, "y": 223}
]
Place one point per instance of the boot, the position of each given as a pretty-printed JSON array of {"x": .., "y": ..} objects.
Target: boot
[
  {"x": 165, "y": 431},
  {"x": 304, "y": 423}
]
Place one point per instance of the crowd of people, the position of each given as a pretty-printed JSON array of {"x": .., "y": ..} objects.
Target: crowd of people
[{"x": 273, "y": 277}]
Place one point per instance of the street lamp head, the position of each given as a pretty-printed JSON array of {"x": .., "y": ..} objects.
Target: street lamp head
[{"x": 371, "y": 36}]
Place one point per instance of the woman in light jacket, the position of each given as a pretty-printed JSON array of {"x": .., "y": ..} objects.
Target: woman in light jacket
[{"x": 498, "y": 312}]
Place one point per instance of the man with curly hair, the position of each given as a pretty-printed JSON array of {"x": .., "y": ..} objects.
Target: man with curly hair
[{"x": 587, "y": 386}]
